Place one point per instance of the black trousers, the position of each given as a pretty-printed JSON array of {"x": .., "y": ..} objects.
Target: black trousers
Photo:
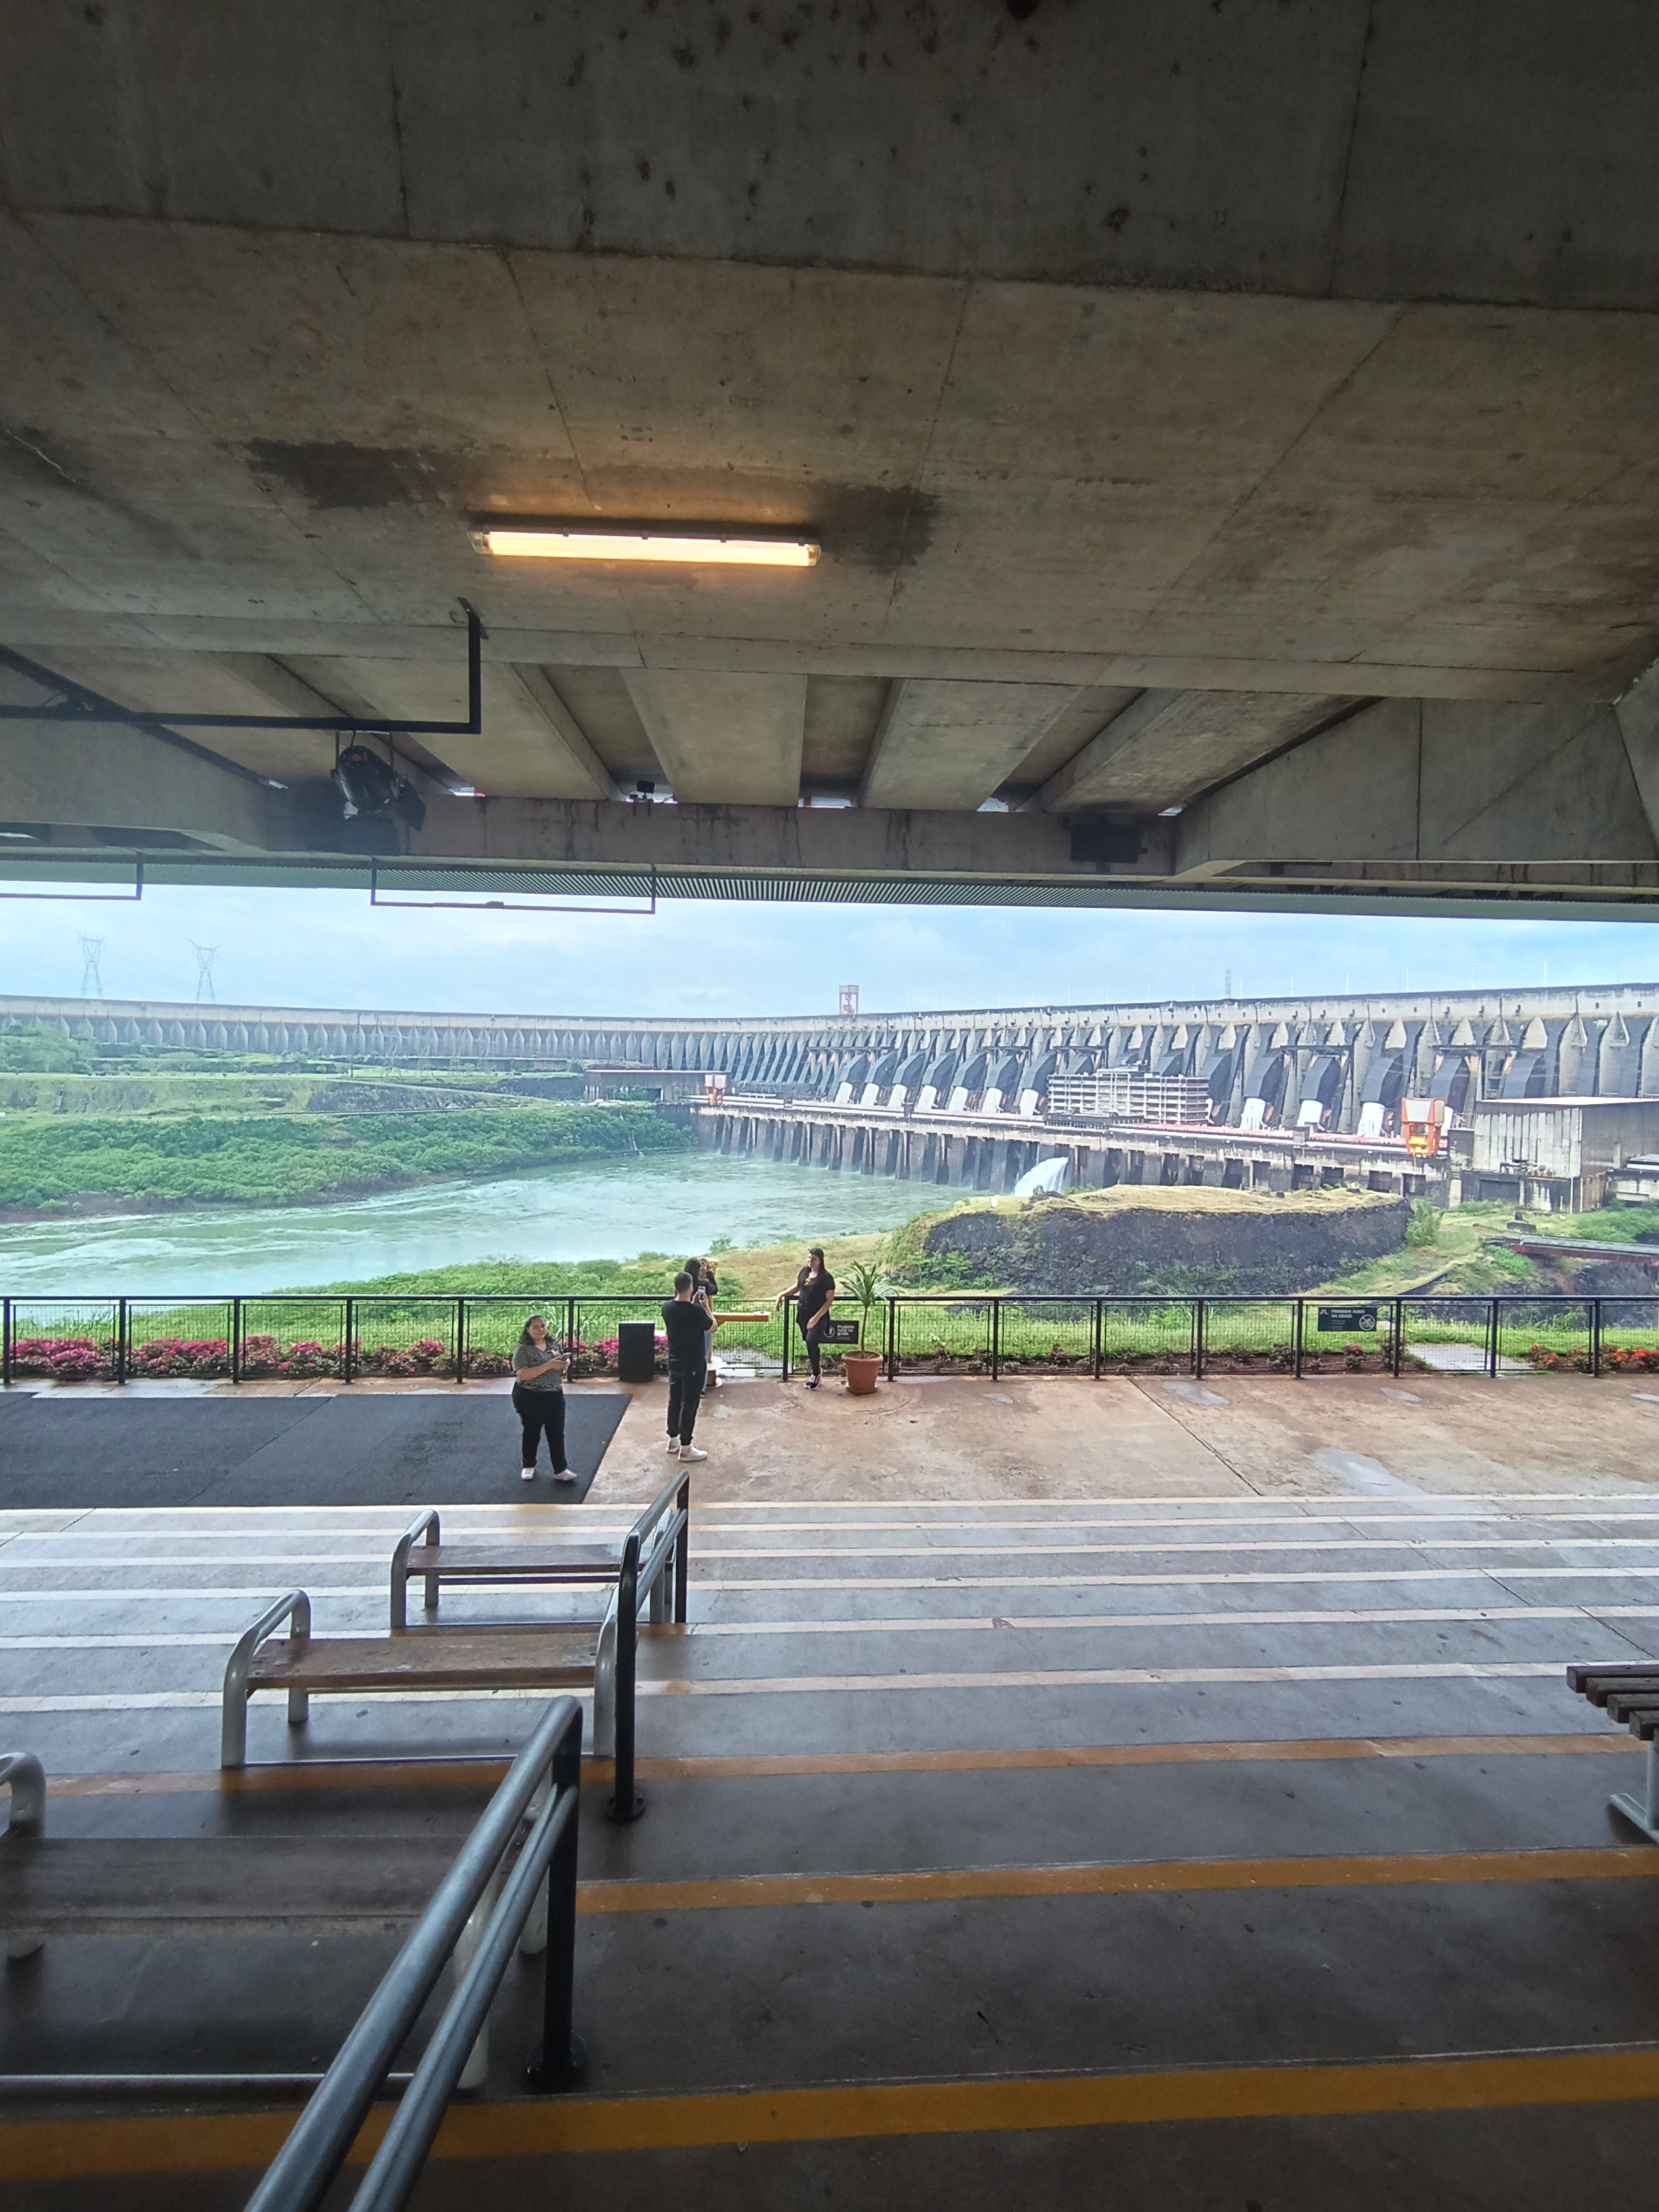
[
  {"x": 539, "y": 1410},
  {"x": 684, "y": 1396},
  {"x": 814, "y": 1332}
]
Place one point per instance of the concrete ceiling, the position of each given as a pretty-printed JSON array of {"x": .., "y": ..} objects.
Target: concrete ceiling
[{"x": 1143, "y": 439}]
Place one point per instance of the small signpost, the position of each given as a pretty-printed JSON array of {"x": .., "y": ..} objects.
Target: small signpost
[{"x": 1356, "y": 1320}]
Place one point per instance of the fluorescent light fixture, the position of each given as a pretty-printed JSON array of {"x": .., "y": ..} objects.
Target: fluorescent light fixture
[
  {"x": 692, "y": 548},
  {"x": 1168, "y": 813}
]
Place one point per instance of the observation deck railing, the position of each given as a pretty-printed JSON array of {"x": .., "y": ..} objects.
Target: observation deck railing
[{"x": 968, "y": 1330}]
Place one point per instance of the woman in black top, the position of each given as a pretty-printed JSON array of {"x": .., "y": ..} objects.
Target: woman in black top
[
  {"x": 815, "y": 1296},
  {"x": 705, "y": 1289}
]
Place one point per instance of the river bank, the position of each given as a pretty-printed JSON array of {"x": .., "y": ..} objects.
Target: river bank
[{"x": 49, "y": 1168}]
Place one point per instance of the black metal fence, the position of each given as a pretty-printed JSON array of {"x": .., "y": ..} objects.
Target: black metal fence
[{"x": 460, "y": 1339}]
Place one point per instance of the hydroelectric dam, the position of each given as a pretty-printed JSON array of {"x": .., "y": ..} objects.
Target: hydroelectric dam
[{"x": 1289, "y": 1091}]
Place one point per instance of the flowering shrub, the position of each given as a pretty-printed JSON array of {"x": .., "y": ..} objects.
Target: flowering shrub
[
  {"x": 488, "y": 1363},
  {"x": 174, "y": 1355},
  {"x": 427, "y": 1356},
  {"x": 264, "y": 1355},
  {"x": 1627, "y": 1358},
  {"x": 64, "y": 1358}
]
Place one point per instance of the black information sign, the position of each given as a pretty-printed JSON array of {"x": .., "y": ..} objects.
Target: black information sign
[{"x": 1359, "y": 1318}]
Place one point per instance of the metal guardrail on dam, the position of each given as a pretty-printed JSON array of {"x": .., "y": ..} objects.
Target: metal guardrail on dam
[{"x": 1345, "y": 1052}]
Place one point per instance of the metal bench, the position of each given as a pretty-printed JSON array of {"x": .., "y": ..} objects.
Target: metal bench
[
  {"x": 653, "y": 1558},
  {"x": 1629, "y": 1694},
  {"x": 553, "y": 1557},
  {"x": 556, "y": 1657}
]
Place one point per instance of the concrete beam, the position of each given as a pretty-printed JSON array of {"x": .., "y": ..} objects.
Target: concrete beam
[
  {"x": 1438, "y": 782},
  {"x": 1167, "y": 747},
  {"x": 954, "y": 743},
  {"x": 792, "y": 839},
  {"x": 1637, "y": 716},
  {"x": 726, "y": 739},
  {"x": 579, "y": 772},
  {"x": 67, "y": 776}
]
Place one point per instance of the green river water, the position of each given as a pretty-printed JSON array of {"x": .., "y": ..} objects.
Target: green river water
[{"x": 605, "y": 1210}]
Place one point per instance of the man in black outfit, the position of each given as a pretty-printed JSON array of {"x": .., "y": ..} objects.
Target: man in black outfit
[{"x": 688, "y": 1326}]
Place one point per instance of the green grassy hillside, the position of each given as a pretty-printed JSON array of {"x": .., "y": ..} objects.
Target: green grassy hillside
[{"x": 49, "y": 1165}]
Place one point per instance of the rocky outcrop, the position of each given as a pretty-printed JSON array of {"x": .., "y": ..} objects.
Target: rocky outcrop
[{"x": 1275, "y": 1247}]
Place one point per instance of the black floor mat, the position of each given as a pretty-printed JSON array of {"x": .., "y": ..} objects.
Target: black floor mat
[{"x": 340, "y": 1450}]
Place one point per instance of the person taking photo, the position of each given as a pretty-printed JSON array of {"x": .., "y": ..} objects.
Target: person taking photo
[
  {"x": 538, "y": 1369},
  {"x": 687, "y": 1325}
]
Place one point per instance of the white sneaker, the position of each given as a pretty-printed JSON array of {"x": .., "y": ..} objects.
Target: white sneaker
[
  {"x": 691, "y": 1451},
  {"x": 564, "y": 1474},
  {"x": 673, "y": 1444},
  {"x": 528, "y": 1474}
]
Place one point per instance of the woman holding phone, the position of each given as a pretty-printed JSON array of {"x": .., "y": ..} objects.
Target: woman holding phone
[
  {"x": 538, "y": 1369},
  {"x": 706, "y": 1290}
]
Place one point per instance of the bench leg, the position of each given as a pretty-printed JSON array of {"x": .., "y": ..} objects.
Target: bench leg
[
  {"x": 430, "y": 1599},
  {"x": 299, "y": 1708},
  {"x": 604, "y": 1693},
  {"x": 233, "y": 1725},
  {"x": 1643, "y": 1812},
  {"x": 466, "y": 1944},
  {"x": 533, "y": 1936},
  {"x": 661, "y": 1608}
]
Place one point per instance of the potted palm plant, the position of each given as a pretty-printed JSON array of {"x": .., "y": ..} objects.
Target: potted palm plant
[{"x": 860, "y": 1366}]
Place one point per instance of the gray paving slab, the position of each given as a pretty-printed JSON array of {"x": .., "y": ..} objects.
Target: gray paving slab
[{"x": 339, "y": 1451}]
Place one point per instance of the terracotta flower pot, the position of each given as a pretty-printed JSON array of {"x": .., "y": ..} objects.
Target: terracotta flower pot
[{"x": 861, "y": 1369}]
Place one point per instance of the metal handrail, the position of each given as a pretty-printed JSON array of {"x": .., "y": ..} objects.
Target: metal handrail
[
  {"x": 668, "y": 1555},
  {"x": 295, "y": 1608},
  {"x": 303, "y": 2169}
]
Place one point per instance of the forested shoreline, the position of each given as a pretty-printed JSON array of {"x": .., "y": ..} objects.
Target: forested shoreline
[{"x": 49, "y": 1167}]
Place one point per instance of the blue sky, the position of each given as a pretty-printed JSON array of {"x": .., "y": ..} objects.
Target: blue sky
[{"x": 329, "y": 949}]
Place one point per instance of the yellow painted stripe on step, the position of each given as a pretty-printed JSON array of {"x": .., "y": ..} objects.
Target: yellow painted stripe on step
[
  {"x": 942, "y": 1884},
  {"x": 480, "y": 1773},
  {"x": 57, "y": 2150}
]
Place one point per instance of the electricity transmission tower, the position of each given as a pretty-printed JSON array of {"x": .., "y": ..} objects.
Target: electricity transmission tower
[
  {"x": 92, "y": 982},
  {"x": 205, "y": 956}
]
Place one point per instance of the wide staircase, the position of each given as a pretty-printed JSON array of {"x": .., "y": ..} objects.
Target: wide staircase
[{"x": 1175, "y": 1852}]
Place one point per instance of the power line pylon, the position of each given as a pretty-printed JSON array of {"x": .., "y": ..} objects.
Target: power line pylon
[
  {"x": 92, "y": 981},
  {"x": 205, "y": 956}
]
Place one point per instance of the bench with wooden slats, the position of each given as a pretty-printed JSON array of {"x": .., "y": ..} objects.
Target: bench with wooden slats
[
  {"x": 1629, "y": 1694},
  {"x": 516, "y": 1560},
  {"x": 554, "y": 1556},
  {"x": 560, "y": 1656}
]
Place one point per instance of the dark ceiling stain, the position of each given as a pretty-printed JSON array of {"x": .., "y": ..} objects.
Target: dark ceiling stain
[
  {"x": 882, "y": 526},
  {"x": 877, "y": 527},
  {"x": 336, "y": 475}
]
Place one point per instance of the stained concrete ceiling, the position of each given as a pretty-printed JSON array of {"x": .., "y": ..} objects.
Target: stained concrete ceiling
[{"x": 1144, "y": 437}]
